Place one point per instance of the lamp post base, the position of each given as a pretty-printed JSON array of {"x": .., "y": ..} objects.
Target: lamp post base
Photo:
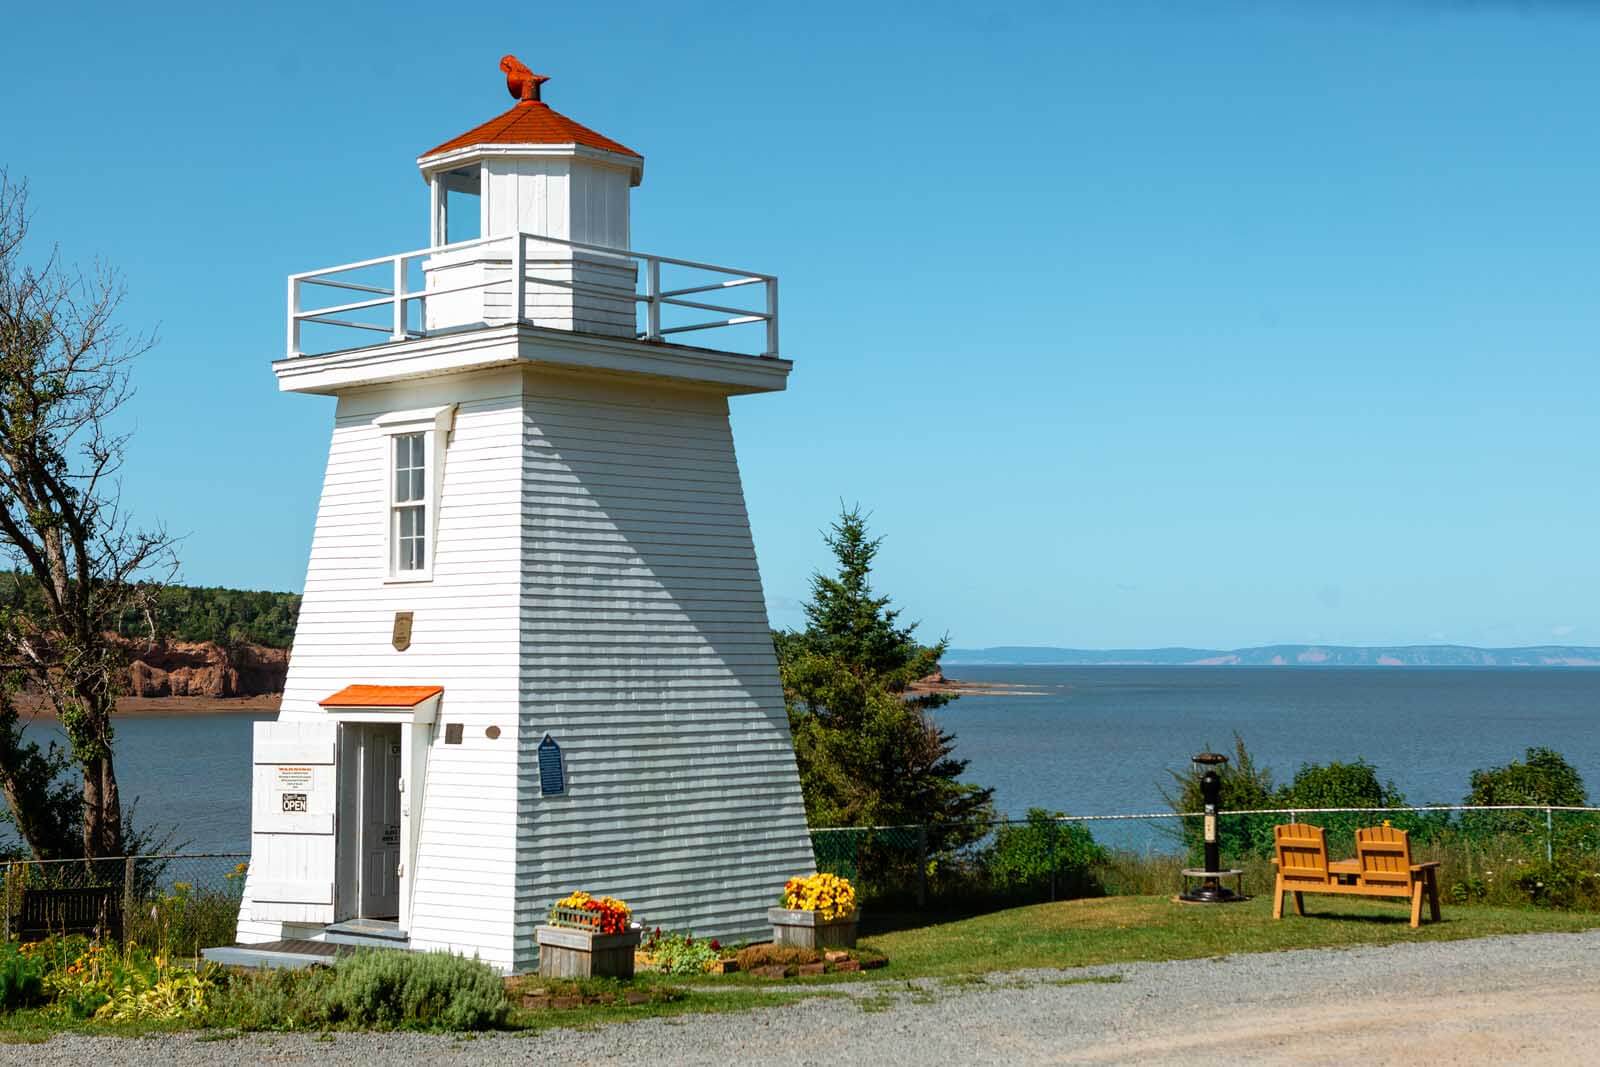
[{"x": 1210, "y": 889}]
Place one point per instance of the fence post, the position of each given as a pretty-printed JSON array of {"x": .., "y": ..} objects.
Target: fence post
[
  {"x": 922, "y": 867},
  {"x": 1549, "y": 855},
  {"x": 7, "y": 884},
  {"x": 128, "y": 868},
  {"x": 1054, "y": 827}
]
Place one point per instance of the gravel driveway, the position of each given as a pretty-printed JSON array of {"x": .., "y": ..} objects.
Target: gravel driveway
[{"x": 1530, "y": 999}]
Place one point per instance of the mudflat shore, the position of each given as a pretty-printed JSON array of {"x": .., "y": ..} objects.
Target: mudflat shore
[
  {"x": 955, "y": 687},
  {"x": 157, "y": 707}
]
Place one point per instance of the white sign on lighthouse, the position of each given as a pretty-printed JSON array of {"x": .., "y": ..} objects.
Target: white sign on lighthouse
[{"x": 531, "y": 462}]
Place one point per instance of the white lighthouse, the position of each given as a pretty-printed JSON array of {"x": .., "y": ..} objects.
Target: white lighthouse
[{"x": 533, "y": 654}]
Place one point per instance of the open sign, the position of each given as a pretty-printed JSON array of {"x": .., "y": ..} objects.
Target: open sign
[{"x": 295, "y": 802}]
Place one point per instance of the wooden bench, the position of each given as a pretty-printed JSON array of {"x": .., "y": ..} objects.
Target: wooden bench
[
  {"x": 1382, "y": 868},
  {"x": 70, "y": 911}
]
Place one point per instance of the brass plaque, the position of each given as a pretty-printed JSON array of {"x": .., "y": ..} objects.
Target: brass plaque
[{"x": 402, "y": 630}]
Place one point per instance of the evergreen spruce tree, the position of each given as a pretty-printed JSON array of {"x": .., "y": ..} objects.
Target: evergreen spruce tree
[{"x": 868, "y": 752}]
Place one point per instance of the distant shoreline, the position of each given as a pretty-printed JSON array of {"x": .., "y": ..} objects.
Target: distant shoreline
[
  {"x": 1278, "y": 656},
  {"x": 1376, "y": 668},
  {"x": 165, "y": 707}
]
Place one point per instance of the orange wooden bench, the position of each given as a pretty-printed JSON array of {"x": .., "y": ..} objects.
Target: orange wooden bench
[{"x": 1382, "y": 868}]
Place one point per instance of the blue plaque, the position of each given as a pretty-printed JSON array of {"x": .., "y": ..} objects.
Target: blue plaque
[{"x": 551, "y": 779}]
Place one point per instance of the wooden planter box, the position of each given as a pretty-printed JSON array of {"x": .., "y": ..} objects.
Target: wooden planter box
[
  {"x": 565, "y": 953},
  {"x": 806, "y": 929}
]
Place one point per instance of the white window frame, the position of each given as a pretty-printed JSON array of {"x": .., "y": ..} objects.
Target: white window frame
[{"x": 435, "y": 425}]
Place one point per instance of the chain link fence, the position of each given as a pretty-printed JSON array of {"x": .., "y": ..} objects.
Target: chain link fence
[
  {"x": 1546, "y": 856},
  {"x": 181, "y": 901}
]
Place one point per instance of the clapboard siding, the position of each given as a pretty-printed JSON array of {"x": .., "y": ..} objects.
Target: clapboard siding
[
  {"x": 594, "y": 578},
  {"x": 646, "y": 652},
  {"x": 464, "y": 637}
]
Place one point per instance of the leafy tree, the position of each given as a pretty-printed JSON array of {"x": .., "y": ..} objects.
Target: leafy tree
[
  {"x": 1351, "y": 785},
  {"x": 868, "y": 752},
  {"x": 1339, "y": 785},
  {"x": 63, "y": 377},
  {"x": 1245, "y": 787},
  {"x": 189, "y": 613},
  {"x": 1541, "y": 777},
  {"x": 1045, "y": 850}
]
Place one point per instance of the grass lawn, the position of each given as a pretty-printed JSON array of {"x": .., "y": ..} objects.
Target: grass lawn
[
  {"x": 1082, "y": 933},
  {"x": 1068, "y": 934}
]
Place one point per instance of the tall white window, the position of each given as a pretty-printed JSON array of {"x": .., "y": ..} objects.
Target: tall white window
[
  {"x": 416, "y": 442},
  {"x": 408, "y": 531}
]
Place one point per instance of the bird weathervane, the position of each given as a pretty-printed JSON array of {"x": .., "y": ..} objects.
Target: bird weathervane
[{"x": 522, "y": 83}]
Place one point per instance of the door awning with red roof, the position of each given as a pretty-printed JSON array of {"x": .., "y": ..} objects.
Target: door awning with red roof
[
  {"x": 384, "y": 703},
  {"x": 381, "y": 696}
]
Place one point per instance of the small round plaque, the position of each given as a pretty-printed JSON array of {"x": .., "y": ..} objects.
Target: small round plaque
[{"x": 492, "y": 732}]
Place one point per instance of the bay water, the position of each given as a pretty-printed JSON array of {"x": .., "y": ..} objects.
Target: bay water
[{"x": 1083, "y": 740}]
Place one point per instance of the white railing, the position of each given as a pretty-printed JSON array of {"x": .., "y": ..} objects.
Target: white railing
[{"x": 391, "y": 302}]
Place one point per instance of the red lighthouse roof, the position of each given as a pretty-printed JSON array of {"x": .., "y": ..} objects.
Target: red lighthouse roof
[{"x": 530, "y": 121}]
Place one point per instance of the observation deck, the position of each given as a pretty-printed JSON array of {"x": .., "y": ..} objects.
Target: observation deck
[{"x": 587, "y": 288}]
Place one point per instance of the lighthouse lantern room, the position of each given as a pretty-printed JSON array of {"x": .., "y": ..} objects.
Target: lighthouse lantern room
[{"x": 533, "y": 654}]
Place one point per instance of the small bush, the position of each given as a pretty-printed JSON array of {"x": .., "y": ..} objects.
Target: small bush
[
  {"x": 21, "y": 978},
  {"x": 375, "y": 990},
  {"x": 1245, "y": 787},
  {"x": 1567, "y": 883},
  {"x": 274, "y": 1000},
  {"x": 1541, "y": 777},
  {"x": 681, "y": 953},
  {"x": 769, "y": 955},
  {"x": 416, "y": 990},
  {"x": 1043, "y": 849}
]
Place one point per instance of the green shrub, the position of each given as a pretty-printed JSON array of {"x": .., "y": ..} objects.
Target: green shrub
[
  {"x": 1245, "y": 786},
  {"x": 416, "y": 990},
  {"x": 681, "y": 953},
  {"x": 21, "y": 978},
  {"x": 1032, "y": 853},
  {"x": 274, "y": 1000},
  {"x": 1567, "y": 883},
  {"x": 1541, "y": 777},
  {"x": 376, "y": 990}
]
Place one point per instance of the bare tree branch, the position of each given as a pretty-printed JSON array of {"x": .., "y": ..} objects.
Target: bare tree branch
[{"x": 64, "y": 374}]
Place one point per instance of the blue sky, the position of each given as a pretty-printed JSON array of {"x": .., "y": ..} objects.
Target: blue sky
[{"x": 1131, "y": 323}]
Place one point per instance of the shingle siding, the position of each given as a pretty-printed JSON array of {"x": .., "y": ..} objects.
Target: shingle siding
[{"x": 646, "y": 652}]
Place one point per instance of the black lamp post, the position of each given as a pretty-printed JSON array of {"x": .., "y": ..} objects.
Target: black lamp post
[{"x": 1210, "y": 890}]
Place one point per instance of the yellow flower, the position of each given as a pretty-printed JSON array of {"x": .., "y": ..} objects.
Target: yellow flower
[{"x": 828, "y": 895}]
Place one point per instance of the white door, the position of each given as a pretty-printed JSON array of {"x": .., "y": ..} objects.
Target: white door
[
  {"x": 292, "y": 822},
  {"x": 380, "y": 822}
]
